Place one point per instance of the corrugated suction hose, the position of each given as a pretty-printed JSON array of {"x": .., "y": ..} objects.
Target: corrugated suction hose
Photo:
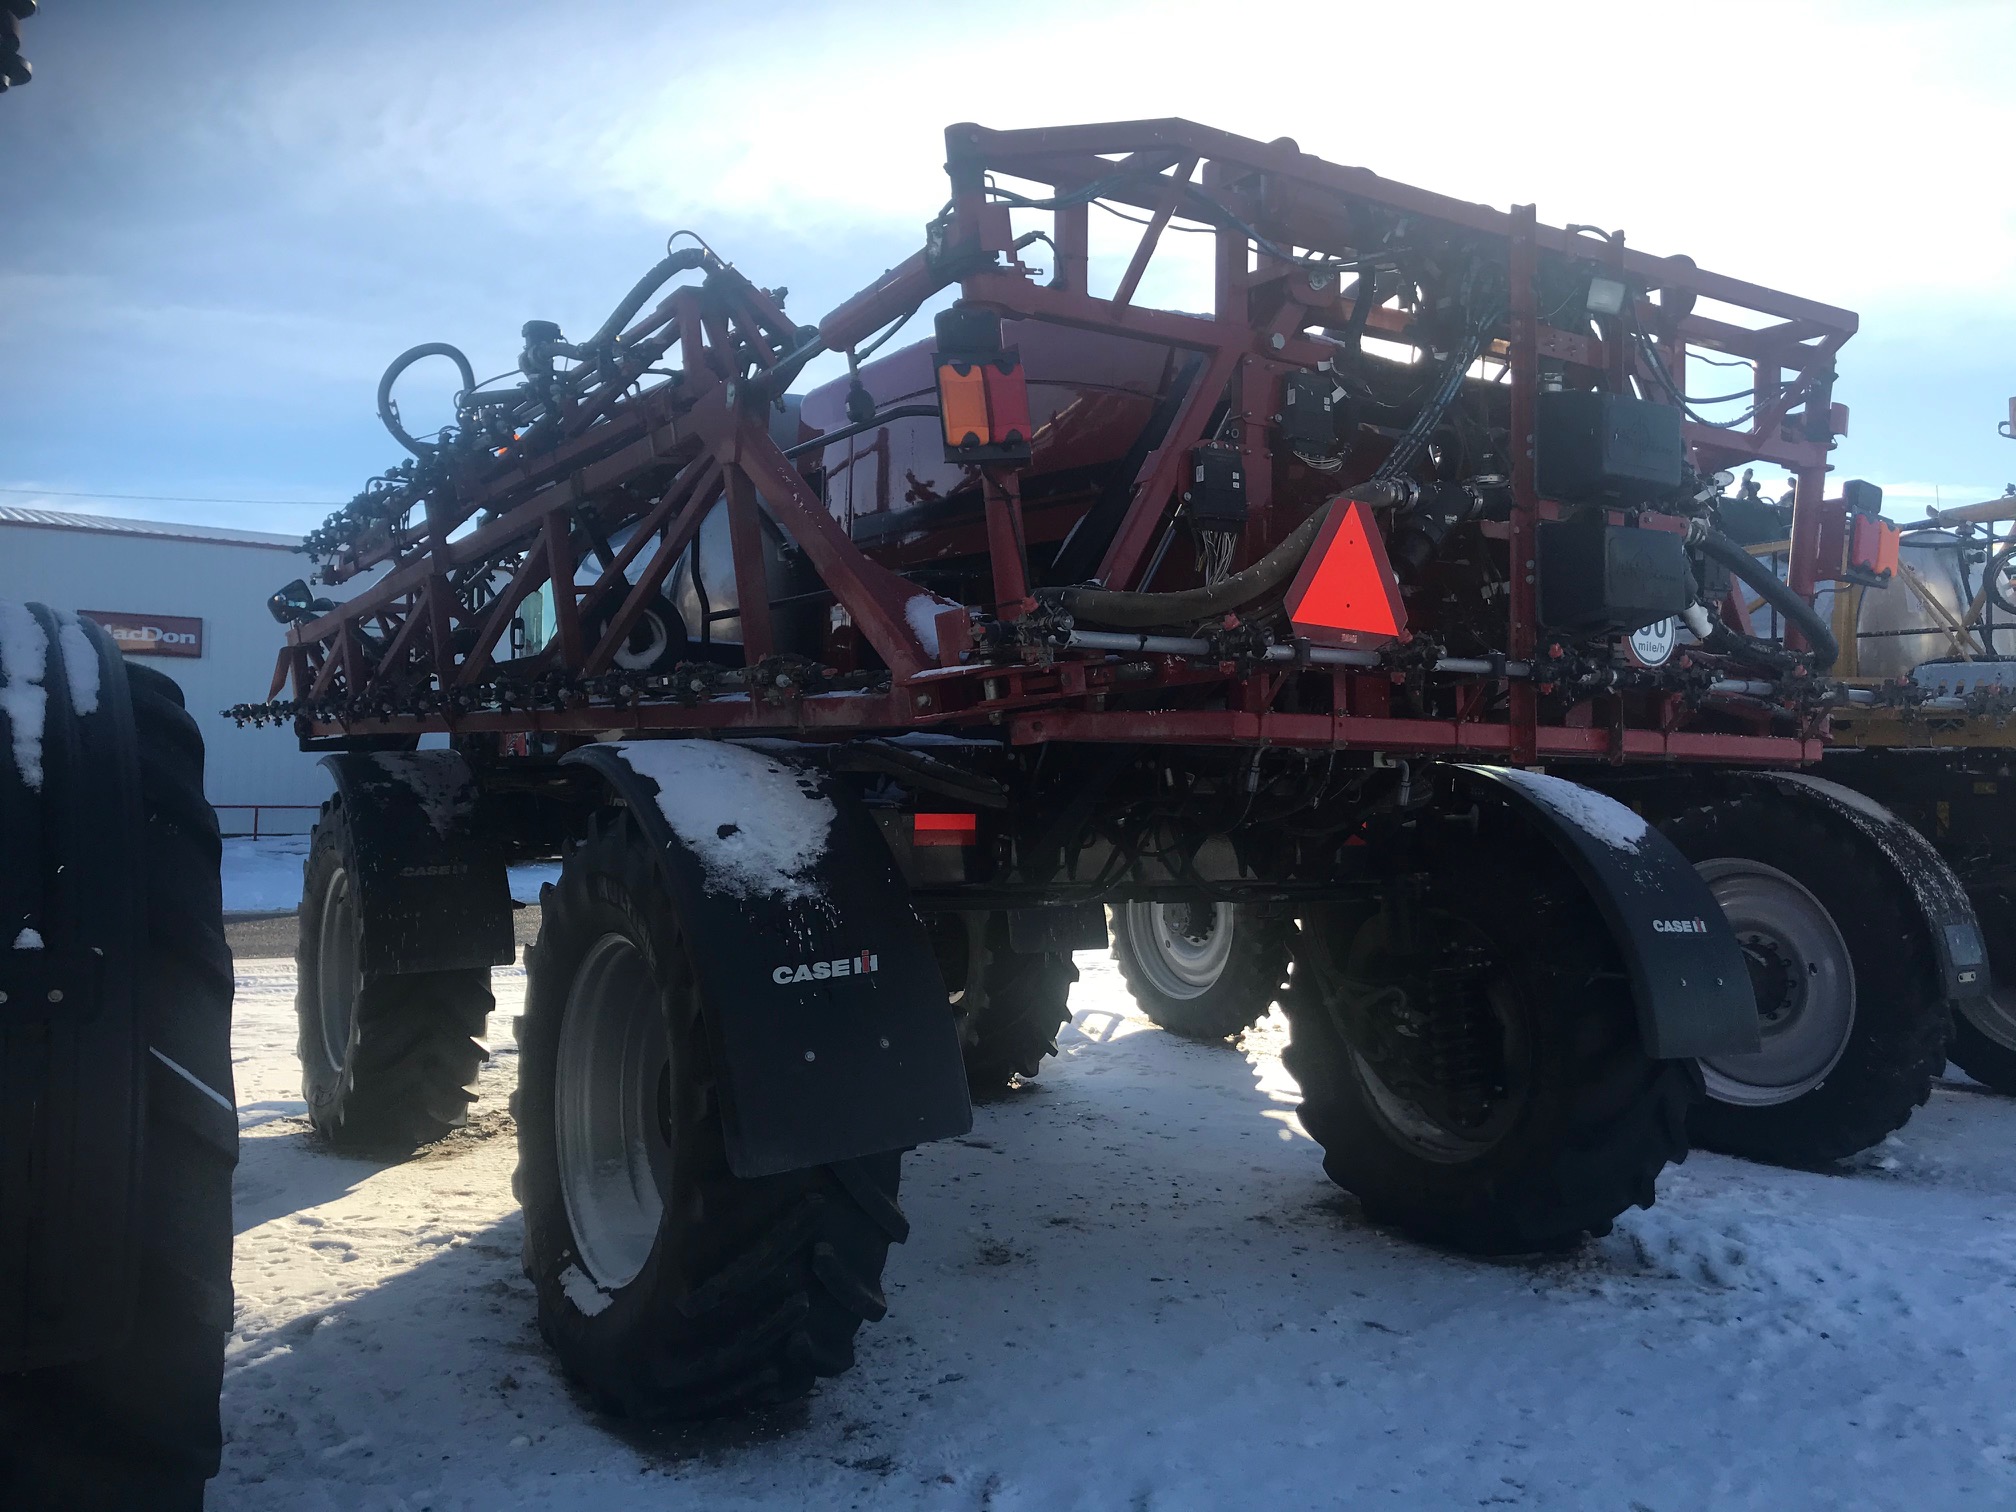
[{"x": 1141, "y": 611}]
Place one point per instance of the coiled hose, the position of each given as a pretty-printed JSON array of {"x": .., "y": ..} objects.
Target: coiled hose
[
  {"x": 1141, "y": 611},
  {"x": 682, "y": 261},
  {"x": 389, "y": 412},
  {"x": 1775, "y": 591}
]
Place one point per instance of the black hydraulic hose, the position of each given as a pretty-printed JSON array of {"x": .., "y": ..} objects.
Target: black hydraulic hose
[
  {"x": 1140, "y": 611},
  {"x": 1776, "y": 592},
  {"x": 898, "y": 412},
  {"x": 683, "y": 261},
  {"x": 672, "y": 264},
  {"x": 1409, "y": 446},
  {"x": 389, "y": 412}
]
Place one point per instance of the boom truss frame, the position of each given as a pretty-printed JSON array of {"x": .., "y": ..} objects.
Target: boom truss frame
[{"x": 473, "y": 531}]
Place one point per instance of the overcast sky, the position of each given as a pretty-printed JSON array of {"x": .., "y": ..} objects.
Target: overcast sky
[{"x": 219, "y": 220}]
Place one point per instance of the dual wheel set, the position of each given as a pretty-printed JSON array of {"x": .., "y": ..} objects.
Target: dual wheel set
[
  {"x": 1854, "y": 1019},
  {"x": 1486, "y": 1086},
  {"x": 1472, "y": 1065}
]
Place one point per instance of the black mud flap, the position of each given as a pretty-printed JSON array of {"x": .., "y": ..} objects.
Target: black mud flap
[
  {"x": 823, "y": 1002},
  {"x": 432, "y": 893},
  {"x": 1688, "y": 976},
  {"x": 1942, "y": 900},
  {"x": 71, "y": 1045}
]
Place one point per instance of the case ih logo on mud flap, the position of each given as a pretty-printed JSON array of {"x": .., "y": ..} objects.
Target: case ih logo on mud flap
[
  {"x": 822, "y": 971},
  {"x": 1680, "y": 926}
]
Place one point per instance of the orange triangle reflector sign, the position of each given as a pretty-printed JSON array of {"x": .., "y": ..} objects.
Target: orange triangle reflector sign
[{"x": 1345, "y": 593}]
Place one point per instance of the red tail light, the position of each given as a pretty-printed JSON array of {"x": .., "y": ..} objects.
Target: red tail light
[{"x": 945, "y": 829}]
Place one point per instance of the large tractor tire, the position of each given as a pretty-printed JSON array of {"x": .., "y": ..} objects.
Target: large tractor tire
[
  {"x": 1855, "y": 1023},
  {"x": 388, "y": 1063},
  {"x": 1205, "y": 971},
  {"x": 1487, "y": 1090},
  {"x": 136, "y": 1425},
  {"x": 1009, "y": 1005},
  {"x": 668, "y": 1286},
  {"x": 1984, "y": 1029}
]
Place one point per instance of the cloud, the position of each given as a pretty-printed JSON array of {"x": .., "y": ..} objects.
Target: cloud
[
  {"x": 230, "y": 216},
  {"x": 1832, "y": 150},
  {"x": 238, "y": 350}
]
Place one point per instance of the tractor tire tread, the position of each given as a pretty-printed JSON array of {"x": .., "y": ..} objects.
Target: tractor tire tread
[
  {"x": 1620, "y": 1119},
  {"x": 140, "y": 1427},
  {"x": 779, "y": 1271},
  {"x": 411, "y": 1076},
  {"x": 1026, "y": 1000}
]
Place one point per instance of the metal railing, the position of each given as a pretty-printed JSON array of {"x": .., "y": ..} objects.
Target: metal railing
[{"x": 257, "y": 810}]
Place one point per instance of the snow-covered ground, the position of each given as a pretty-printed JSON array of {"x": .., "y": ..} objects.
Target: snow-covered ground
[
  {"x": 1133, "y": 1288},
  {"x": 264, "y": 875}
]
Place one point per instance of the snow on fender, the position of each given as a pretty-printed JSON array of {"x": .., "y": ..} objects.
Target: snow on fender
[
  {"x": 822, "y": 999},
  {"x": 757, "y": 824}
]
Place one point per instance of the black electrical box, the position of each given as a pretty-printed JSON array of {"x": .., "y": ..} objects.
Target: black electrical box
[
  {"x": 1308, "y": 414},
  {"x": 1597, "y": 578},
  {"x": 1598, "y": 448},
  {"x": 1217, "y": 491},
  {"x": 1751, "y": 522}
]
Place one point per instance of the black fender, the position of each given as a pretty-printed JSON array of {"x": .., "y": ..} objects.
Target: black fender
[
  {"x": 822, "y": 999},
  {"x": 1944, "y": 908},
  {"x": 431, "y": 890},
  {"x": 72, "y": 1047},
  {"x": 1688, "y": 977}
]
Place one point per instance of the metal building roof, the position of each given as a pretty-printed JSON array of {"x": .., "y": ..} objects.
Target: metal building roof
[{"x": 60, "y": 519}]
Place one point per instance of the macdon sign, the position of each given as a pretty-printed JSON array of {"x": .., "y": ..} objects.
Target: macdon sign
[{"x": 150, "y": 634}]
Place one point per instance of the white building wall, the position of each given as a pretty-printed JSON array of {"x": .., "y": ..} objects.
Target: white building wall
[{"x": 224, "y": 584}]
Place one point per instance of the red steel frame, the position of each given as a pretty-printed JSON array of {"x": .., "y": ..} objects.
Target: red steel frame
[{"x": 737, "y": 350}]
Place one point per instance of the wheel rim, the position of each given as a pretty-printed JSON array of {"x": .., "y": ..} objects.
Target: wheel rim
[
  {"x": 1803, "y": 979},
  {"x": 1182, "y": 948},
  {"x": 1496, "y": 1031},
  {"x": 1994, "y": 1012},
  {"x": 612, "y": 1111},
  {"x": 336, "y": 969},
  {"x": 644, "y": 645}
]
